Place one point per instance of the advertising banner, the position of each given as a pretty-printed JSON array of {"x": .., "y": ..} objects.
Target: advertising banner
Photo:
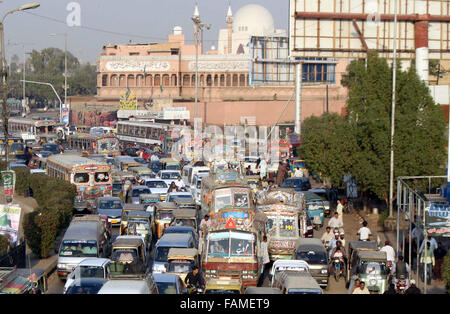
[
  {"x": 437, "y": 223},
  {"x": 9, "y": 182},
  {"x": 10, "y": 221},
  {"x": 65, "y": 114}
]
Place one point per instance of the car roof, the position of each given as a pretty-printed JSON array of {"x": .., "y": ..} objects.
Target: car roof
[
  {"x": 94, "y": 261},
  {"x": 87, "y": 281},
  {"x": 165, "y": 277},
  {"x": 367, "y": 245},
  {"x": 170, "y": 239},
  {"x": 182, "y": 252},
  {"x": 140, "y": 187},
  {"x": 123, "y": 286},
  {"x": 302, "y": 280},
  {"x": 372, "y": 255},
  {"x": 127, "y": 241},
  {"x": 181, "y": 228},
  {"x": 184, "y": 212},
  {"x": 310, "y": 244},
  {"x": 82, "y": 230}
]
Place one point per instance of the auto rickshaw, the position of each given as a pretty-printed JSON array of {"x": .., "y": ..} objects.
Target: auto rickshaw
[
  {"x": 128, "y": 208},
  {"x": 372, "y": 268},
  {"x": 353, "y": 248},
  {"x": 149, "y": 201},
  {"x": 118, "y": 178},
  {"x": 185, "y": 217},
  {"x": 137, "y": 223},
  {"x": 224, "y": 285},
  {"x": 169, "y": 164},
  {"x": 185, "y": 203},
  {"x": 298, "y": 163},
  {"x": 129, "y": 256},
  {"x": 253, "y": 182},
  {"x": 162, "y": 217},
  {"x": 22, "y": 281},
  {"x": 180, "y": 261},
  {"x": 142, "y": 172}
]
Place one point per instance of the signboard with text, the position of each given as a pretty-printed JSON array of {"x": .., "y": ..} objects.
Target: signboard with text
[
  {"x": 10, "y": 221},
  {"x": 437, "y": 223},
  {"x": 9, "y": 182}
]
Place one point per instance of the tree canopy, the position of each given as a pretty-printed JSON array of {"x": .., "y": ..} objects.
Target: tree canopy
[{"x": 360, "y": 143}]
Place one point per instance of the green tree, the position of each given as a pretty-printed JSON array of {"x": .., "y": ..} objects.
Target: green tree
[
  {"x": 83, "y": 81},
  {"x": 328, "y": 146},
  {"x": 419, "y": 141}
]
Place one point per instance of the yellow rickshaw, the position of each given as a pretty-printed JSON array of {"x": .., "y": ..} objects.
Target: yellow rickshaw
[
  {"x": 169, "y": 164},
  {"x": 162, "y": 217},
  {"x": 142, "y": 172},
  {"x": 298, "y": 163},
  {"x": 224, "y": 285},
  {"x": 181, "y": 260},
  {"x": 185, "y": 217}
]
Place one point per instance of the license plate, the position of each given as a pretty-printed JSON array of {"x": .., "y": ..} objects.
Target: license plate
[{"x": 114, "y": 221}]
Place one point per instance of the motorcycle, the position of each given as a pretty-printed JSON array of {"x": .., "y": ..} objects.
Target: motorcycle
[
  {"x": 401, "y": 285},
  {"x": 337, "y": 268}
]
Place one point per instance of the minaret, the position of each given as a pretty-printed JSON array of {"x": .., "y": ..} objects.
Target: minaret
[{"x": 230, "y": 29}]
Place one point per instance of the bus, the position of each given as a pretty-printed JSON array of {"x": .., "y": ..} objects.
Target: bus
[
  {"x": 92, "y": 178},
  {"x": 107, "y": 145},
  {"x": 143, "y": 132},
  {"x": 16, "y": 146},
  {"x": 28, "y": 129}
]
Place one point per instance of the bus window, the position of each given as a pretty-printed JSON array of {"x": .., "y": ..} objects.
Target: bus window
[
  {"x": 101, "y": 177},
  {"x": 81, "y": 178}
]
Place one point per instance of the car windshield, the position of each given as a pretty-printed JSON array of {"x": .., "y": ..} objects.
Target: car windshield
[
  {"x": 312, "y": 257},
  {"x": 291, "y": 183},
  {"x": 71, "y": 248},
  {"x": 138, "y": 226},
  {"x": 110, "y": 204},
  {"x": 373, "y": 268},
  {"x": 166, "y": 287},
  {"x": 91, "y": 272},
  {"x": 164, "y": 215},
  {"x": 124, "y": 255},
  {"x": 187, "y": 197},
  {"x": 161, "y": 253},
  {"x": 156, "y": 184},
  {"x": 222, "y": 291},
  {"x": 139, "y": 191},
  {"x": 117, "y": 186},
  {"x": 180, "y": 266},
  {"x": 169, "y": 175},
  {"x": 17, "y": 147},
  {"x": 184, "y": 222},
  {"x": 82, "y": 288}
]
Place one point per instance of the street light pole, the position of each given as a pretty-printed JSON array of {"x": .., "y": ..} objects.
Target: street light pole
[
  {"x": 394, "y": 74},
  {"x": 5, "y": 113}
]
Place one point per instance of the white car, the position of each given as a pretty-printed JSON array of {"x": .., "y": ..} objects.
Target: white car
[
  {"x": 287, "y": 265},
  {"x": 168, "y": 176},
  {"x": 171, "y": 197},
  {"x": 196, "y": 188},
  {"x": 88, "y": 268},
  {"x": 157, "y": 186}
]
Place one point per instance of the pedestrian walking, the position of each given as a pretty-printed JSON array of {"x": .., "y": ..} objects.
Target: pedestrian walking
[
  {"x": 340, "y": 209},
  {"x": 281, "y": 173},
  {"x": 427, "y": 260},
  {"x": 266, "y": 260},
  {"x": 364, "y": 232}
]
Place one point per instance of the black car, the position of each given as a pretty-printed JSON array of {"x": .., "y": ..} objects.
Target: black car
[{"x": 299, "y": 184}]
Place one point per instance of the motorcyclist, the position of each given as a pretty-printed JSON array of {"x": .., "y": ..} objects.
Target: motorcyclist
[
  {"x": 339, "y": 252},
  {"x": 327, "y": 237},
  {"x": 401, "y": 270},
  {"x": 194, "y": 280}
]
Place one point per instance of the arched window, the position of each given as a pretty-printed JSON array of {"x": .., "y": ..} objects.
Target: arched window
[
  {"x": 139, "y": 80},
  {"x": 166, "y": 80},
  {"x": 130, "y": 80},
  {"x": 186, "y": 80},
  {"x": 216, "y": 80},
  {"x": 242, "y": 80},
  {"x": 235, "y": 80},
  {"x": 148, "y": 80},
  {"x": 104, "y": 80},
  {"x": 157, "y": 81},
  {"x": 174, "y": 80},
  {"x": 228, "y": 79},
  {"x": 114, "y": 80},
  {"x": 222, "y": 80},
  {"x": 122, "y": 80},
  {"x": 209, "y": 80}
]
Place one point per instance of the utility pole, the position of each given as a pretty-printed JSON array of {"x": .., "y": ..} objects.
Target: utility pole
[
  {"x": 198, "y": 25},
  {"x": 298, "y": 97},
  {"x": 394, "y": 74}
]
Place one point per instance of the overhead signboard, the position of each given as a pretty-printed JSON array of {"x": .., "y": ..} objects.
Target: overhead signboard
[{"x": 437, "y": 223}]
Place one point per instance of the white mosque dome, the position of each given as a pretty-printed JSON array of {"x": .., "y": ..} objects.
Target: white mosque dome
[{"x": 255, "y": 20}]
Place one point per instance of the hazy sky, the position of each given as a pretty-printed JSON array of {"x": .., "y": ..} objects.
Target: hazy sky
[{"x": 139, "y": 20}]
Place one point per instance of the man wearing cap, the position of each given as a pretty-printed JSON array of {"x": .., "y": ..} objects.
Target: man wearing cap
[
  {"x": 332, "y": 243},
  {"x": 327, "y": 236},
  {"x": 341, "y": 237}
]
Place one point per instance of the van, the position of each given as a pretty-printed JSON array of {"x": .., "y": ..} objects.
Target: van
[
  {"x": 84, "y": 238},
  {"x": 312, "y": 251},
  {"x": 167, "y": 241},
  {"x": 196, "y": 187},
  {"x": 138, "y": 285},
  {"x": 293, "y": 282},
  {"x": 196, "y": 170}
]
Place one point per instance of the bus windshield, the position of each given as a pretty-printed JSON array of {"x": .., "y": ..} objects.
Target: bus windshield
[
  {"x": 234, "y": 244},
  {"x": 81, "y": 178}
]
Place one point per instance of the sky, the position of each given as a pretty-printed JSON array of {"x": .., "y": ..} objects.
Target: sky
[{"x": 105, "y": 22}]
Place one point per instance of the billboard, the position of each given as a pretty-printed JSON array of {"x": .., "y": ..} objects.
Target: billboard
[
  {"x": 10, "y": 221},
  {"x": 9, "y": 182},
  {"x": 437, "y": 223}
]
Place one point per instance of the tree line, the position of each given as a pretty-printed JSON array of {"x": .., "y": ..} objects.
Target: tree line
[{"x": 359, "y": 142}]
